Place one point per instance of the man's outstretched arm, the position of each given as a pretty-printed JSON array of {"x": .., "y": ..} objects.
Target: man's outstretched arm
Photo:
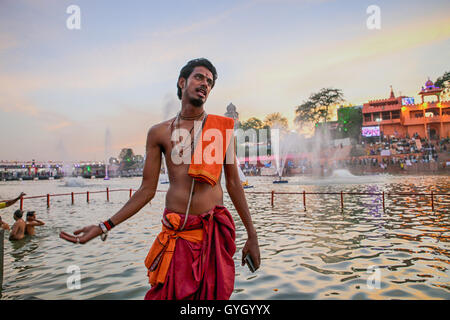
[
  {"x": 36, "y": 223},
  {"x": 237, "y": 195},
  {"x": 141, "y": 197},
  {"x": 12, "y": 201}
]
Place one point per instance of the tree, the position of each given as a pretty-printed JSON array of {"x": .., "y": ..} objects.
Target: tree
[
  {"x": 276, "y": 120},
  {"x": 306, "y": 113},
  {"x": 126, "y": 158},
  {"x": 444, "y": 83},
  {"x": 252, "y": 123},
  {"x": 126, "y": 154},
  {"x": 350, "y": 121},
  {"x": 261, "y": 137},
  {"x": 317, "y": 107}
]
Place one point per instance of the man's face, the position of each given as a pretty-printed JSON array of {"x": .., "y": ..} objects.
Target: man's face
[{"x": 198, "y": 86}]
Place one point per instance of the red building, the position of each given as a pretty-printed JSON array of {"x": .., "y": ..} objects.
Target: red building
[{"x": 401, "y": 116}]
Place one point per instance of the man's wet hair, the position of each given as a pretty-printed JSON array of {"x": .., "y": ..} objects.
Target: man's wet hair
[
  {"x": 190, "y": 66},
  {"x": 30, "y": 213},
  {"x": 18, "y": 213}
]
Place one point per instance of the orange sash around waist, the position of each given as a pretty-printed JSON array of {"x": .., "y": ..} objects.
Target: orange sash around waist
[{"x": 160, "y": 255}]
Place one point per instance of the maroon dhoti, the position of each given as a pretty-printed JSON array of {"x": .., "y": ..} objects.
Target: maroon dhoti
[{"x": 199, "y": 270}]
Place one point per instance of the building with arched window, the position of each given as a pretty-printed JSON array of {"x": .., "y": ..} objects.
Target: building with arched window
[{"x": 402, "y": 117}]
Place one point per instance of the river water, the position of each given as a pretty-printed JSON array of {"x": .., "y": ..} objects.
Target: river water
[{"x": 361, "y": 252}]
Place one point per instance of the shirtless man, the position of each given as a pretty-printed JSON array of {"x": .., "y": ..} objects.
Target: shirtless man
[
  {"x": 195, "y": 82},
  {"x": 18, "y": 229},
  {"x": 3, "y": 225},
  {"x": 31, "y": 223}
]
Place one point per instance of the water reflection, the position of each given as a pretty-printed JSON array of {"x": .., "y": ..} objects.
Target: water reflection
[
  {"x": 321, "y": 253},
  {"x": 345, "y": 246},
  {"x": 24, "y": 247}
]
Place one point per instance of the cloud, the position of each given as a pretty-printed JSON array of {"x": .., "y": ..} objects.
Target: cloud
[
  {"x": 13, "y": 102},
  {"x": 116, "y": 82},
  {"x": 57, "y": 126},
  {"x": 203, "y": 24},
  {"x": 7, "y": 41},
  {"x": 17, "y": 104},
  {"x": 293, "y": 74}
]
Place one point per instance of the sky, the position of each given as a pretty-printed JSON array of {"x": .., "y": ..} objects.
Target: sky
[{"x": 84, "y": 94}]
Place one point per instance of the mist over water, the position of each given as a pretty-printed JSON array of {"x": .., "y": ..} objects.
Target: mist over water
[
  {"x": 342, "y": 173},
  {"x": 74, "y": 182},
  {"x": 318, "y": 150},
  {"x": 342, "y": 176},
  {"x": 283, "y": 143}
]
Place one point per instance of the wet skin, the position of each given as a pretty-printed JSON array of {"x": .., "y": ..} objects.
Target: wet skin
[{"x": 195, "y": 91}]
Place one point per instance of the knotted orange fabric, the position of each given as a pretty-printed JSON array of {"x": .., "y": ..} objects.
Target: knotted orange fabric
[
  {"x": 208, "y": 158},
  {"x": 160, "y": 255},
  {"x": 182, "y": 267}
]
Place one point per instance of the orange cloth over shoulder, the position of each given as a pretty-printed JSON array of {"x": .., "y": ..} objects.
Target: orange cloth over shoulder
[
  {"x": 209, "y": 156},
  {"x": 160, "y": 255}
]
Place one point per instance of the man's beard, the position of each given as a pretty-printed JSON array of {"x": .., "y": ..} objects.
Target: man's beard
[{"x": 196, "y": 102}]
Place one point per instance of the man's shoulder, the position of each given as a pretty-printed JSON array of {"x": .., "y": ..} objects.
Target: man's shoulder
[
  {"x": 159, "y": 128},
  {"x": 161, "y": 125}
]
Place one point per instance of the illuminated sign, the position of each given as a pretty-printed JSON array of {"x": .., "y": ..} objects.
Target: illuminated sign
[
  {"x": 407, "y": 101},
  {"x": 373, "y": 131}
]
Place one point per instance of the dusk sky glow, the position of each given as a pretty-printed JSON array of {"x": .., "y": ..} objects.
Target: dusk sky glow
[{"x": 61, "y": 89}]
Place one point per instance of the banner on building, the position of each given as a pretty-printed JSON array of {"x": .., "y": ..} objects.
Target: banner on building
[
  {"x": 418, "y": 144},
  {"x": 373, "y": 131}
]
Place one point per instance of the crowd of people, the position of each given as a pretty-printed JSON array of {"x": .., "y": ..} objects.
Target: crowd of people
[
  {"x": 404, "y": 152},
  {"x": 388, "y": 152},
  {"x": 414, "y": 145}
]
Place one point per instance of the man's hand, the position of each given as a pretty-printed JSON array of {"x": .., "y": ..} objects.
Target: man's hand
[
  {"x": 12, "y": 201},
  {"x": 88, "y": 233},
  {"x": 252, "y": 248}
]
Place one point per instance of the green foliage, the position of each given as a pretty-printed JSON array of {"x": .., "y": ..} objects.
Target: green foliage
[
  {"x": 350, "y": 121},
  {"x": 443, "y": 81},
  {"x": 276, "y": 120},
  {"x": 126, "y": 158},
  {"x": 257, "y": 124},
  {"x": 252, "y": 123},
  {"x": 317, "y": 107}
]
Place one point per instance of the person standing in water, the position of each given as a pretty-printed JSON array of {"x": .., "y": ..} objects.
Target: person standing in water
[
  {"x": 18, "y": 228},
  {"x": 192, "y": 257},
  {"x": 31, "y": 223},
  {"x": 3, "y": 225}
]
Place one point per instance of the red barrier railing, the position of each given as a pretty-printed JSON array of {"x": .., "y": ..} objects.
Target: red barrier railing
[{"x": 272, "y": 193}]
